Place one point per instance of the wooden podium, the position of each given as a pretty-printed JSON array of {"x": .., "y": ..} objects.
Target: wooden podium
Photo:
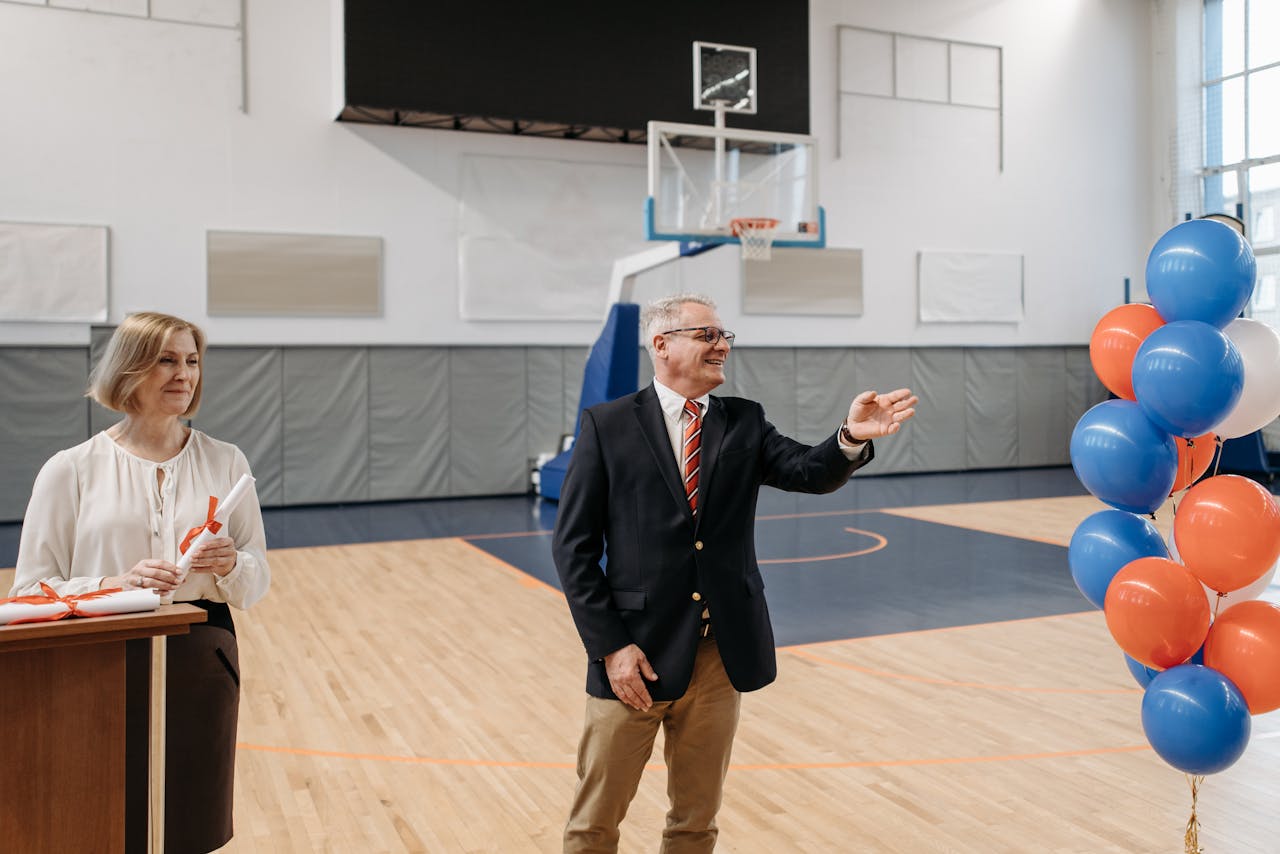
[{"x": 76, "y": 711}]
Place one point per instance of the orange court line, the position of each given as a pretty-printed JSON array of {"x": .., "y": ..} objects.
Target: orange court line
[
  {"x": 949, "y": 683},
  {"x": 881, "y": 543},
  {"x": 772, "y": 766},
  {"x": 942, "y": 760},
  {"x": 524, "y": 578},
  {"x": 412, "y": 760}
]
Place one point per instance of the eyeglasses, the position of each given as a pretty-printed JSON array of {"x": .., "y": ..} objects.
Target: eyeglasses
[{"x": 710, "y": 334}]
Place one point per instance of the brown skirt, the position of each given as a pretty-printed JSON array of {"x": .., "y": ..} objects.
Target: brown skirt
[{"x": 202, "y": 706}]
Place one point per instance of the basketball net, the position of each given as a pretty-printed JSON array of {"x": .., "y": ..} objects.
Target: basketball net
[{"x": 755, "y": 234}]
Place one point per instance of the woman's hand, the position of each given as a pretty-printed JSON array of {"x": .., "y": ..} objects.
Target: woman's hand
[
  {"x": 218, "y": 556},
  {"x": 158, "y": 575}
]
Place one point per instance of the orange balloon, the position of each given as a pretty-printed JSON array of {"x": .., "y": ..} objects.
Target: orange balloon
[
  {"x": 1156, "y": 611},
  {"x": 1115, "y": 342},
  {"x": 1244, "y": 646},
  {"x": 1194, "y": 456},
  {"x": 1227, "y": 530}
]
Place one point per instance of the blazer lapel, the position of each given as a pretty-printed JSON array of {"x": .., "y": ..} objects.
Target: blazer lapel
[
  {"x": 654, "y": 429},
  {"x": 713, "y": 424}
]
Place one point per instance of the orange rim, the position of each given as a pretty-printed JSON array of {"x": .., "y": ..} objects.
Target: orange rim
[{"x": 751, "y": 222}]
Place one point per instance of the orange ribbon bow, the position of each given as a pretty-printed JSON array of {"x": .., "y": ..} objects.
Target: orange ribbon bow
[{"x": 213, "y": 526}]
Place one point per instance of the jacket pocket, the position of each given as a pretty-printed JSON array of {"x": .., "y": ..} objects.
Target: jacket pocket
[{"x": 628, "y": 600}]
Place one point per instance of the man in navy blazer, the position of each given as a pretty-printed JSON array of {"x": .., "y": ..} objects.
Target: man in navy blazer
[{"x": 663, "y": 485}]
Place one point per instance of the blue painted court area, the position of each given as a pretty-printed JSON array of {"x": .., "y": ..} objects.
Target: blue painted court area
[{"x": 925, "y": 576}]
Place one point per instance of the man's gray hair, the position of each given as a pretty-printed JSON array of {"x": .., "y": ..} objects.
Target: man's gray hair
[{"x": 664, "y": 313}]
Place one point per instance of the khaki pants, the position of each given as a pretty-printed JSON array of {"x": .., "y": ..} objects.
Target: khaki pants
[{"x": 617, "y": 740}]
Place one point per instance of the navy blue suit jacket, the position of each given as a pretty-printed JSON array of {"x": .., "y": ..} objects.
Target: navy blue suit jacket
[{"x": 623, "y": 499}]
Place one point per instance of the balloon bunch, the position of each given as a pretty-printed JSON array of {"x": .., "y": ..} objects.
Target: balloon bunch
[{"x": 1187, "y": 373}]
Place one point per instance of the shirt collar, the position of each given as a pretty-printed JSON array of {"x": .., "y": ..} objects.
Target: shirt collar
[{"x": 673, "y": 402}]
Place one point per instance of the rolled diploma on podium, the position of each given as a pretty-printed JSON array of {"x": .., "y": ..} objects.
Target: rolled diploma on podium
[{"x": 221, "y": 515}]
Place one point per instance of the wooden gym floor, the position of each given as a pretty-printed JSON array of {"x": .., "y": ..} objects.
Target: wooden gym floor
[{"x": 942, "y": 687}]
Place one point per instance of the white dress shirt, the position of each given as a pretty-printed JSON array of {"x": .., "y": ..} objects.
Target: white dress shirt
[{"x": 96, "y": 510}]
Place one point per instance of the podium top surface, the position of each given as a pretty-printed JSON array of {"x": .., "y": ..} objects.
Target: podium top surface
[{"x": 173, "y": 619}]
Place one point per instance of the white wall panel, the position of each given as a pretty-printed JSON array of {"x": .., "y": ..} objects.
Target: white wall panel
[{"x": 136, "y": 124}]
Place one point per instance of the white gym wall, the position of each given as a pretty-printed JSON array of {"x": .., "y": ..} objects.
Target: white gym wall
[{"x": 137, "y": 125}]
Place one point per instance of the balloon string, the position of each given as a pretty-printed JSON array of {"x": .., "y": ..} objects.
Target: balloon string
[
  {"x": 1217, "y": 454},
  {"x": 1218, "y": 605},
  {"x": 1190, "y": 466},
  {"x": 1191, "y": 840}
]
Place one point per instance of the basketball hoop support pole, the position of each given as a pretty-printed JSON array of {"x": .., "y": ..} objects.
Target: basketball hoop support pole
[
  {"x": 717, "y": 201},
  {"x": 622, "y": 282}
]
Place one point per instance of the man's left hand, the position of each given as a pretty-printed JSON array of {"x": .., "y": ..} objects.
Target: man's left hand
[{"x": 872, "y": 414}]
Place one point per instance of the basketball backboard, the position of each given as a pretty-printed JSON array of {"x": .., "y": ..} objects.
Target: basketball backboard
[{"x": 703, "y": 177}]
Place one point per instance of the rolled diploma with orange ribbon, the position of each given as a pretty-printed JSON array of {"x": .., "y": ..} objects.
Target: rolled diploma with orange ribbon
[
  {"x": 31, "y": 610},
  {"x": 119, "y": 602},
  {"x": 221, "y": 515}
]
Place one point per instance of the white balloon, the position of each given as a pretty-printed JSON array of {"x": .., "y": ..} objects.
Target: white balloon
[
  {"x": 1244, "y": 594},
  {"x": 1259, "y": 403}
]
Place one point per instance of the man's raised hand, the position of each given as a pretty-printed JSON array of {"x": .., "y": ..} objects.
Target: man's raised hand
[{"x": 873, "y": 414}]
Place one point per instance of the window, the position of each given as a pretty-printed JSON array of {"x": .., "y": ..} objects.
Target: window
[{"x": 1241, "y": 168}]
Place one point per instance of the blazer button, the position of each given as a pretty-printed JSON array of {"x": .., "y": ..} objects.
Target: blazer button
[
  {"x": 698, "y": 545},
  {"x": 697, "y": 597}
]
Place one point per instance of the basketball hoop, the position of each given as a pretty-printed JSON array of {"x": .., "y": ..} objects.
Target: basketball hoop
[{"x": 755, "y": 233}]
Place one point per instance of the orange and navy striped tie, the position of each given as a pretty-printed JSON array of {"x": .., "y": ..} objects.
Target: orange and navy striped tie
[{"x": 692, "y": 453}]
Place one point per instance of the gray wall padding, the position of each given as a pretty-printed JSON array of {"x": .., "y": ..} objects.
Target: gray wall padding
[
  {"x": 408, "y": 433},
  {"x": 242, "y": 402},
  {"x": 1084, "y": 389},
  {"x": 348, "y": 424},
  {"x": 938, "y": 434},
  {"x": 100, "y": 418},
  {"x": 768, "y": 375},
  {"x": 545, "y": 400},
  {"x": 991, "y": 408},
  {"x": 885, "y": 370},
  {"x": 1042, "y": 406},
  {"x": 826, "y": 380},
  {"x": 42, "y": 411},
  {"x": 488, "y": 416},
  {"x": 326, "y": 425}
]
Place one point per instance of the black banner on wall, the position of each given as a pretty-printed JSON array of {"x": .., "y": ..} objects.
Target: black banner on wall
[{"x": 592, "y": 70}]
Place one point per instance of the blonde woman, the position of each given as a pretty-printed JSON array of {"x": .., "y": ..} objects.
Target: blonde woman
[{"x": 113, "y": 512}]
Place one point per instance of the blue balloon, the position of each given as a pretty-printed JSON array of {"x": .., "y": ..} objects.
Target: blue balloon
[
  {"x": 1122, "y": 458},
  {"x": 1187, "y": 376},
  {"x": 1140, "y": 672},
  {"x": 1201, "y": 270},
  {"x": 1103, "y": 543},
  {"x": 1144, "y": 674},
  {"x": 1196, "y": 719}
]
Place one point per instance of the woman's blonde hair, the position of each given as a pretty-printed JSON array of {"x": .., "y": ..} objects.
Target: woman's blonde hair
[{"x": 132, "y": 352}]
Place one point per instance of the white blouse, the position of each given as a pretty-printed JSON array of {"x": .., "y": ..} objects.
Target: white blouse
[{"x": 96, "y": 510}]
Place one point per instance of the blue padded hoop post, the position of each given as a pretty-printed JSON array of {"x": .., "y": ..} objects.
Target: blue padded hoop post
[{"x": 612, "y": 370}]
